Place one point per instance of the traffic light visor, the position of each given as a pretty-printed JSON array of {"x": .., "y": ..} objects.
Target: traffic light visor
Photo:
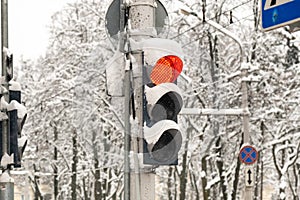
[
  {"x": 164, "y": 140},
  {"x": 166, "y": 69}
]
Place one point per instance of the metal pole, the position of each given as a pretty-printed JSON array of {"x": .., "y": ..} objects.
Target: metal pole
[
  {"x": 245, "y": 106},
  {"x": 141, "y": 25},
  {"x": 7, "y": 187},
  {"x": 246, "y": 135},
  {"x": 6, "y": 182},
  {"x": 205, "y": 111},
  {"x": 127, "y": 135},
  {"x": 127, "y": 93},
  {"x": 244, "y": 69},
  {"x": 4, "y": 42}
]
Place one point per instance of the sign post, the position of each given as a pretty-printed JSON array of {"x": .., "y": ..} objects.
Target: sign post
[
  {"x": 278, "y": 13},
  {"x": 248, "y": 155}
]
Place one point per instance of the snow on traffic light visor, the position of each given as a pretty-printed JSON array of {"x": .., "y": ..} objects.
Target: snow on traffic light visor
[{"x": 166, "y": 69}]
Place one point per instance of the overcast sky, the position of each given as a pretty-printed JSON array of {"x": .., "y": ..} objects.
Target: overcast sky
[{"x": 28, "y": 25}]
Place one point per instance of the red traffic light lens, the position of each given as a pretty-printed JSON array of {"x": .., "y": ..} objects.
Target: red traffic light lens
[{"x": 166, "y": 69}]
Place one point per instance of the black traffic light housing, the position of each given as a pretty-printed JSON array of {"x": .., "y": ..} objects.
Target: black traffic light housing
[
  {"x": 17, "y": 115},
  {"x": 162, "y": 102}
]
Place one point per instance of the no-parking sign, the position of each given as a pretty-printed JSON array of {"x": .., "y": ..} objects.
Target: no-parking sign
[{"x": 248, "y": 155}]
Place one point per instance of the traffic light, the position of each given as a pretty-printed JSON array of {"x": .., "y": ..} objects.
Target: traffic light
[
  {"x": 162, "y": 101},
  {"x": 17, "y": 115}
]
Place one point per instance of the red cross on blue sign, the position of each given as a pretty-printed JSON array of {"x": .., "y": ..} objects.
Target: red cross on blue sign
[{"x": 248, "y": 155}]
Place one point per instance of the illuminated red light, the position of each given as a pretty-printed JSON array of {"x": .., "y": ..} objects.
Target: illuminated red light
[{"x": 166, "y": 69}]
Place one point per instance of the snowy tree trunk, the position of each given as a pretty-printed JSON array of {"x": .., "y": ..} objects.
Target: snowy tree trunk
[
  {"x": 256, "y": 25},
  {"x": 204, "y": 172},
  {"x": 97, "y": 187},
  {"x": 106, "y": 170},
  {"x": 170, "y": 183},
  {"x": 74, "y": 165},
  {"x": 37, "y": 192},
  {"x": 194, "y": 179},
  {"x": 216, "y": 101},
  {"x": 258, "y": 194},
  {"x": 293, "y": 183},
  {"x": 55, "y": 159},
  {"x": 97, "y": 183},
  {"x": 220, "y": 168},
  {"x": 277, "y": 166},
  {"x": 183, "y": 174},
  {"x": 85, "y": 190},
  {"x": 257, "y": 177},
  {"x": 236, "y": 177}
]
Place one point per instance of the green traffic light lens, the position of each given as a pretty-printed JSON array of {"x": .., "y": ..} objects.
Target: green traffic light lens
[{"x": 165, "y": 148}]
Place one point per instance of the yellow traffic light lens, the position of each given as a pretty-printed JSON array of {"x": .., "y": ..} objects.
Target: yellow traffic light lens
[{"x": 166, "y": 69}]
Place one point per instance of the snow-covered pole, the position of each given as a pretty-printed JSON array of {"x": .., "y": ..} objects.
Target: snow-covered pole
[
  {"x": 127, "y": 89},
  {"x": 6, "y": 182},
  {"x": 4, "y": 42},
  {"x": 127, "y": 92},
  {"x": 141, "y": 24}
]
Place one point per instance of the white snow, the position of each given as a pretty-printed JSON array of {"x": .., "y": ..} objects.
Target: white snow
[
  {"x": 152, "y": 134},
  {"x": 6, "y": 178},
  {"x": 202, "y": 174},
  {"x": 212, "y": 182},
  {"x": 4, "y": 103},
  {"x": 282, "y": 195},
  {"x": 14, "y": 105},
  {"x": 14, "y": 85}
]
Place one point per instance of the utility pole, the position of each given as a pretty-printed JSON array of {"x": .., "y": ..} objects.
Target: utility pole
[{"x": 6, "y": 182}]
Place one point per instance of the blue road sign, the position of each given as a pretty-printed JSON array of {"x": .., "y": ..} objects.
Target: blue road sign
[
  {"x": 278, "y": 13},
  {"x": 248, "y": 155}
]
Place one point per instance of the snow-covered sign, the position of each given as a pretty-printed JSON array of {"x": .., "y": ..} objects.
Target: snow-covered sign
[{"x": 278, "y": 13}]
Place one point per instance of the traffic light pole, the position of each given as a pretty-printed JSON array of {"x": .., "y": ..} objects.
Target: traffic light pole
[
  {"x": 140, "y": 185},
  {"x": 127, "y": 92},
  {"x": 6, "y": 182},
  {"x": 4, "y": 42},
  {"x": 127, "y": 134}
]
